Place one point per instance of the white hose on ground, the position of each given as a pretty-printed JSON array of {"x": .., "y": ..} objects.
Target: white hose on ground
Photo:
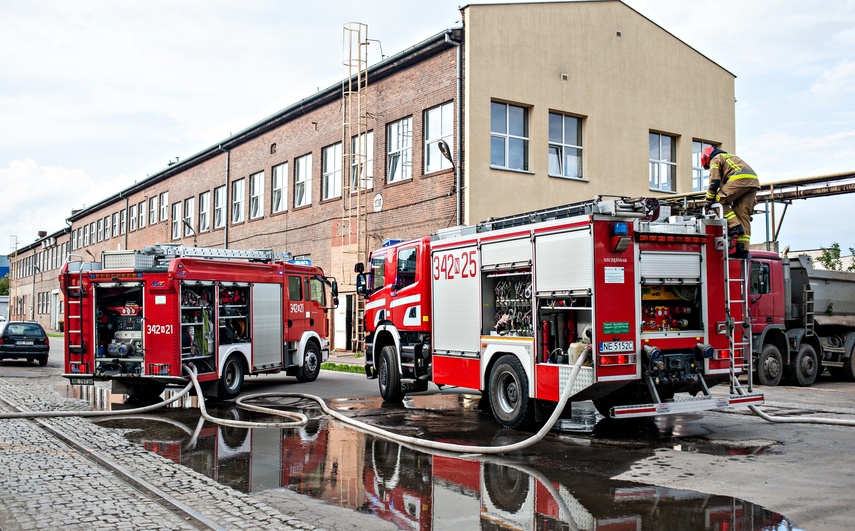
[
  {"x": 796, "y": 420},
  {"x": 123, "y": 412},
  {"x": 300, "y": 419}
]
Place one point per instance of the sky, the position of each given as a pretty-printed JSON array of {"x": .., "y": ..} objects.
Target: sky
[{"x": 96, "y": 95}]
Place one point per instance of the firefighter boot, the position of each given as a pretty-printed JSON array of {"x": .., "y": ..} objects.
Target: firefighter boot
[
  {"x": 739, "y": 252},
  {"x": 733, "y": 234}
]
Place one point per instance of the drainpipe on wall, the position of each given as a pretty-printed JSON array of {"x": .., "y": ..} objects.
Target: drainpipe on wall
[
  {"x": 127, "y": 220},
  {"x": 226, "y": 205},
  {"x": 458, "y": 148}
]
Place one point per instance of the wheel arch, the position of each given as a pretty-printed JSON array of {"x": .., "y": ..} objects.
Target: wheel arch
[
  {"x": 493, "y": 353},
  {"x": 387, "y": 335},
  {"x": 310, "y": 336},
  {"x": 241, "y": 354},
  {"x": 776, "y": 337}
]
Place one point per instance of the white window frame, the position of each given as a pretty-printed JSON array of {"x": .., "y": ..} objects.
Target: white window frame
[
  {"x": 661, "y": 163},
  {"x": 399, "y": 149},
  {"x": 562, "y": 148},
  {"x": 164, "y": 206},
  {"x": 220, "y": 207},
  {"x": 506, "y": 133},
  {"x": 132, "y": 215},
  {"x": 152, "y": 210},
  {"x": 238, "y": 198},
  {"x": 189, "y": 207},
  {"x": 86, "y": 235},
  {"x": 123, "y": 221},
  {"x": 256, "y": 195},
  {"x": 331, "y": 171},
  {"x": 107, "y": 234},
  {"x": 279, "y": 188},
  {"x": 92, "y": 232},
  {"x": 142, "y": 214},
  {"x": 700, "y": 176},
  {"x": 438, "y": 125},
  {"x": 303, "y": 180},
  {"x": 205, "y": 211},
  {"x": 115, "y": 224},
  {"x": 176, "y": 220},
  {"x": 366, "y": 154}
]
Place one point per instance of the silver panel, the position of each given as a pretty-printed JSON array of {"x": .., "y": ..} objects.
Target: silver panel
[
  {"x": 506, "y": 252},
  {"x": 584, "y": 379},
  {"x": 266, "y": 317},
  {"x": 457, "y": 326},
  {"x": 658, "y": 265},
  {"x": 564, "y": 262},
  {"x": 126, "y": 260}
]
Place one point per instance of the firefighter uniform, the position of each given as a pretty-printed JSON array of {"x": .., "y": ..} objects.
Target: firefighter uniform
[{"x": 734, "y": 184}]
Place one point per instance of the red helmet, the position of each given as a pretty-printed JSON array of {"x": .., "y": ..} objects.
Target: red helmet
[{"x": 705, "y": 156}]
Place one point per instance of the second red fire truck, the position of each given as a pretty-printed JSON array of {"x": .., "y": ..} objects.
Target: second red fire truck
[
  {"x": 139, "y": 317},
  {"x": 507, "y": 307}
]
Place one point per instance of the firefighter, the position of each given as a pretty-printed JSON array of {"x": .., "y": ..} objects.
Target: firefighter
[{"x": 733, "y": 184}]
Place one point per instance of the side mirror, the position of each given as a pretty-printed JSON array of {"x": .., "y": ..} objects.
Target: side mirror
[
  {"x": 361, "y": 284},
  {"x": 359, "y": 268}
]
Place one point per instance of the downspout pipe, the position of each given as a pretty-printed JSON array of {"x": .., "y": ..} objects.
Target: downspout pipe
[
  {"x": 458, "y": 148},
  {"x": 226, "y": 205}
]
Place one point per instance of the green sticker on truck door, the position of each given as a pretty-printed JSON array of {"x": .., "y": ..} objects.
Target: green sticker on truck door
[{"x": 616, "y": 328}]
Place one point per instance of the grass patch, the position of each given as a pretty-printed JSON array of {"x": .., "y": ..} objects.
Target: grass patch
[{"x": 343, "y": 367}]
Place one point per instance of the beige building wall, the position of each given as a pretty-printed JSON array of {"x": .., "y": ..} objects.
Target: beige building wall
[{"x": 625, "y": 76}]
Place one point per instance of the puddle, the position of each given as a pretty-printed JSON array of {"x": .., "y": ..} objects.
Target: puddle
[{"x": 416, "y": 490}]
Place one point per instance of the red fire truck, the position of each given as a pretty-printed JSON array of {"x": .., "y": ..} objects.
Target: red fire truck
[
  {"x": 507, "y": 306},
  {"x": 138, "y": 317}
]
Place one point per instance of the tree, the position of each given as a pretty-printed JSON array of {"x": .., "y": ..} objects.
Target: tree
[
  {"x": 4, "y": 285},
  {"x": 830, "y": 258}
]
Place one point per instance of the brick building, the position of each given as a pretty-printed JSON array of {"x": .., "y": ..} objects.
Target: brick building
[{"x": 540, "y": 104}]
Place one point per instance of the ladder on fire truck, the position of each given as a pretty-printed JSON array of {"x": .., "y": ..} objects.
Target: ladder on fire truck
[
  {"x": 169, "y": 251},
  {"x": 74, "y": 315},
  {"x": 736, "y": 306}
]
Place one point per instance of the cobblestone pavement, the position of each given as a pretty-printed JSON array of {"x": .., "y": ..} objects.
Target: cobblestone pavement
[{"x": 46, "y": 484}]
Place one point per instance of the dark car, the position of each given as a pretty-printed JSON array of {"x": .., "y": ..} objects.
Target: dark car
[{"x": 24, "y": 340}]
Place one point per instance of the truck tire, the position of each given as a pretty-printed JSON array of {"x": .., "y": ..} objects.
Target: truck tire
[
  {"x": 311, "y": 364},
  {"x": 509, "y": 398},
  {"x": 388, "y": 377},
  {"x": 770, "y": 366},
  {"x": 506, "y": 487},
  {"x": 849, "y": 365},
  {"x": 231, "y": 380},
  {"x": 805, "y": 366}
]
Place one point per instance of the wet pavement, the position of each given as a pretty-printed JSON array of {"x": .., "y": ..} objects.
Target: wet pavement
[{"x": 561, "y": 485}]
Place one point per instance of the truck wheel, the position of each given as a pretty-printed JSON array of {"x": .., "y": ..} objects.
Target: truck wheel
[
  {"x": 805, "y": 366},
  {"x": 849, "y": 365},
  {"x": 311, "y": 364},
  {"x": 769, "y": 366},
  {"x": 509, "y": 398},
  {"x": 388, "y": 377},
  {"x": 231, "y": 380}
]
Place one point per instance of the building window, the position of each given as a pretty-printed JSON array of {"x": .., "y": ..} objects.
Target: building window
[
  {"x": 106, "y": 227},
  {"x": 279, "y": 192},
  {"x": 399, "y": 144},
  {"x": 189, "y": 205},
  {"x": 92, "y": 232},
  {"x": 663, "y": 162},
  {"x": 220, "y": 207},
  {"x": 115, "y": 224},
  {"x": 256, "y": 195},
  {"x": 141, "y": 210},
  {"x": 152, "y": 210},
  {"x": 331, "y": 171},
  {"x": 74, "y": 239},
  {"x": 303, "y": 180},
  {"x": 508, "y": 136},
  {"x": 364, "y": 153},
  {"x": 123, "y": 217},
  {"x": 86, "y": 235},
  {"x": 439, "y": 125},
  {"x": 238, "y": 196},
  {"x": 133, "y": 216},
  {"x": 176, "y": 220},
  {"x": 204, "y": 211},
  {"x": 700, "y": 176},
  {"x": 164, "y": 206},
  {"x": 565, "y": 146}
]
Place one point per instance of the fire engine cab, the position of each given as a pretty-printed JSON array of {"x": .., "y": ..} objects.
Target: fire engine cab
[
  {"x": 138, "y": 317},
  {"x": 508, "y": 306}
]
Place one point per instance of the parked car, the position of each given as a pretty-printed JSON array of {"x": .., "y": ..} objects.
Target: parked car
[{"x": 24, "y": 340}]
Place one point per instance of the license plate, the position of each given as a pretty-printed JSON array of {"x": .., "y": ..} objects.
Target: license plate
[
  {"x": 82, "y": 381},
  {"x": 617, "y": 346},
  {"x": 23, "y": 342}
]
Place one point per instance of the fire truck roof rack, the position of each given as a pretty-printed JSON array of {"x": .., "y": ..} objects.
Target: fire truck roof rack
[
  {"x": 616, "y": 206},
  {"x": 158, "y": 256}
]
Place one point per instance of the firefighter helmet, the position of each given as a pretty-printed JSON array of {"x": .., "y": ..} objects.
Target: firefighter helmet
[{"x": 706, "y": 155}]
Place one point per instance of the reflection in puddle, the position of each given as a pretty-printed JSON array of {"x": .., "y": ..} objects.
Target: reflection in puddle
[{"x": 416, "y": 490}]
